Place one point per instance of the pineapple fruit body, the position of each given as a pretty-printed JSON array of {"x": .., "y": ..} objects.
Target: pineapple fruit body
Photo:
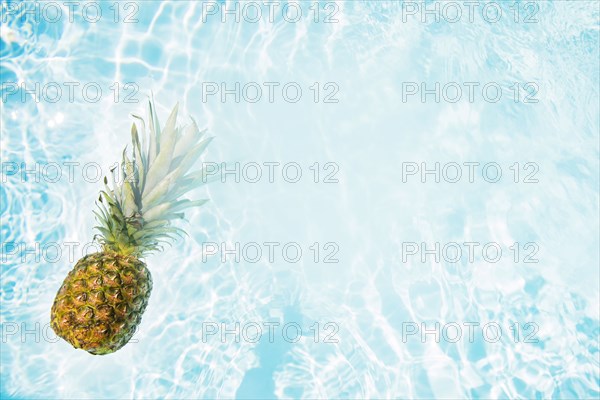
[{"x": 101, "y": 301}]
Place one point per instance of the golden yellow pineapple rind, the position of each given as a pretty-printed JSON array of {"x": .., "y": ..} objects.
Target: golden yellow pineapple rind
[{"x": 101, "y": 301}]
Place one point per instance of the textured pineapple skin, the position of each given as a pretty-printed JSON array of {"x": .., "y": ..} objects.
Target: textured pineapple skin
[{"x": 101, "y": 302}]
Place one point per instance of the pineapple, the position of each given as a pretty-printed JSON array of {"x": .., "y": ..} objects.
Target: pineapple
[{"x": 102, "y": 299}]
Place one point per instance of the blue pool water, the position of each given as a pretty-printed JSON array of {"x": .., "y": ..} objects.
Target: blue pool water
[{"x": 360, "y": 61}]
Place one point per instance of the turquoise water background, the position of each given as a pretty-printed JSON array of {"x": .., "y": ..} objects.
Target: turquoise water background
[{"x": 371, "y": 130}]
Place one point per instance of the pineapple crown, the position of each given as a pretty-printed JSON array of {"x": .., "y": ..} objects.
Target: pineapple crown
[{"x": 135, "y": 214}]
